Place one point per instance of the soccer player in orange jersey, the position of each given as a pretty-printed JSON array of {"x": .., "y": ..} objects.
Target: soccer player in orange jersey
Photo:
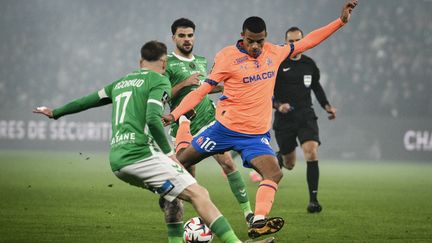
[{"x": 243, "y": 114}]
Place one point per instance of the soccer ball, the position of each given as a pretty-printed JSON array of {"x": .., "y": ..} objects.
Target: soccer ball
[{"x": 195, "y": 231}]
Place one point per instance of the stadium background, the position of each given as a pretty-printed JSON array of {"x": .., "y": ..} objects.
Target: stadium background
[
  {"x": 56, "y": 184},
  {"x": 376, "y": 71}
]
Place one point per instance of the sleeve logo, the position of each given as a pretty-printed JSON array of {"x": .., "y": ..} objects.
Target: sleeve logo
[{"x": 165, "y": 97}]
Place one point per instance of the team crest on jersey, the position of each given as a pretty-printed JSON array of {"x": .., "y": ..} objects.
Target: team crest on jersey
[
  {"x": 307, "y": 80},
  {"x": 257, "y": 64},
  {"x": 269, "y": 61},
  {"x": 200, "y": 140}
]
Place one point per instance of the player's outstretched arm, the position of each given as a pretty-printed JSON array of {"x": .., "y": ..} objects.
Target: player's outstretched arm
[
  {"x": 44, "y": 111},
  {"x": 317, "y": 36},
  {"x": 95, "y": 99},
  {"x": 188, "y": 103},
  {"x": 347, "y": 9}
]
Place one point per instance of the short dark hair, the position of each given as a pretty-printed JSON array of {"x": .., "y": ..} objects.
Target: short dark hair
[
  {"x": 182, "y": 23},
  {"x": 254, "y": 24},
  {"x": 153, "y": 51},
  {"x": 294, "y": 28}
]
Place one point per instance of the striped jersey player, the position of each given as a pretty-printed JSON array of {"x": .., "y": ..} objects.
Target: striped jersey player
[
  {"x": 180, "y": 68},
  {"x": 137, "y": 132}
]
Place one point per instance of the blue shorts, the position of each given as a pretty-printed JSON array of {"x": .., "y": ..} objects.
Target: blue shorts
[{"x": 218, "y": 139}]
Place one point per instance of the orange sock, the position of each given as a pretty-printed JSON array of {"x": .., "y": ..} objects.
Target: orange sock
[
  {"x": 265, "y": 197},
  {"x": 183, "y": 136}
]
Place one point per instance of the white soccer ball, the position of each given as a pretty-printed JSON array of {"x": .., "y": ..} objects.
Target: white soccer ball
[{"x": 195, "y": 231}]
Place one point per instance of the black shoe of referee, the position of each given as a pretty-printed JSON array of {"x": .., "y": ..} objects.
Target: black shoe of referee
[{"x": 314, "y": 207}]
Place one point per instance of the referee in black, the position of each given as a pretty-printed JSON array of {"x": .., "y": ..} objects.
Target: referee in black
[{"x": 295, "y": 117}]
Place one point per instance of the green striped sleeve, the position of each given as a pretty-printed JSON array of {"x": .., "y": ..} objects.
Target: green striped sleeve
[
  {"x": 95, "y": 99},
  {"x": 154, "y": 122}
]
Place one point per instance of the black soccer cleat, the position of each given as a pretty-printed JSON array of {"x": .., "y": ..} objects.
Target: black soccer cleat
[
  {"x": 314, "y": 207},
  {"x": 265, "y": 227},
  {"x": 249, "y": 219}
]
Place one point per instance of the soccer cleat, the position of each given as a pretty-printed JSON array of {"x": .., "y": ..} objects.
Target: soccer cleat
[
  {"x": 314, "y": 207},
  {"x": 249, "y": 219},
  {"x": 265, "y": 227},
  {"x": 266, "y": 240}
]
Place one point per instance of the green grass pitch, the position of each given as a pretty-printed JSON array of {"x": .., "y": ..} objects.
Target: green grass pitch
[{"x": 72, "y": 197}]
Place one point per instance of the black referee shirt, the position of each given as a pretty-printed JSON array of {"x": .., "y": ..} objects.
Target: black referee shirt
[{"x": 294, "y": 82}]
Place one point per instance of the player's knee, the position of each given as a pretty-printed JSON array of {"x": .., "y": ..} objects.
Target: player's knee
[
  {"x": 278, "y": 176},
  {"x": 289, "y": 164},
  {"x": 311, "y": 154},
  {"x": 289, "y": 160},
  {"x": 191, "y": 170},
  {"x": 198, "y": 193},
  {"x": 179, "y": 152},
  {"x": 226, "y": 163},
  {"x": 275, "y": 176},
  {"x": 310, "y": 150},
  {"x": 228, "y": 168}
]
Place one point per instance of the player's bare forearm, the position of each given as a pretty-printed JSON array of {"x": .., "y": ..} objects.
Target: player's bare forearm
[
  {"x": 176, "y": 89},
  {"x": 191, "y": 80}
]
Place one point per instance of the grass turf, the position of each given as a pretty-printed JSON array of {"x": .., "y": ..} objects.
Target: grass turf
[{"x": 72, "y": 197}]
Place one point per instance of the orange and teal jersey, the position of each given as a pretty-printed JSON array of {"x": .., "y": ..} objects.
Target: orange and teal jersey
[{"x": 246, "y": 103}]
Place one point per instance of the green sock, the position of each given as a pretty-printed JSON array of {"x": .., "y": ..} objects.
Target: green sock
[
  {"x": 223, "y": 230},
  {"x": 238, "y": 187},
  {"x": 175, "y": 232}
]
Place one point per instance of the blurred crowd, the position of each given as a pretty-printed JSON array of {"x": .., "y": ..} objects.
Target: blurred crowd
[
  {"x": 389, "y": 64},
  {"x": 379, "y": 66}
]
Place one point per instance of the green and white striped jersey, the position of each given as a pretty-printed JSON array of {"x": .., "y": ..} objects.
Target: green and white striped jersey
[
  {"x": 180, "y": 68},
  {"x": 137, "y": 106}
]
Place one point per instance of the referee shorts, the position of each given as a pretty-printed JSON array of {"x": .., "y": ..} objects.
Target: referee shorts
[{"x": 298, "y": 125}]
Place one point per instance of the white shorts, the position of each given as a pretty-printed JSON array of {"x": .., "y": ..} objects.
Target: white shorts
[{"x": 159, "y": 174}]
